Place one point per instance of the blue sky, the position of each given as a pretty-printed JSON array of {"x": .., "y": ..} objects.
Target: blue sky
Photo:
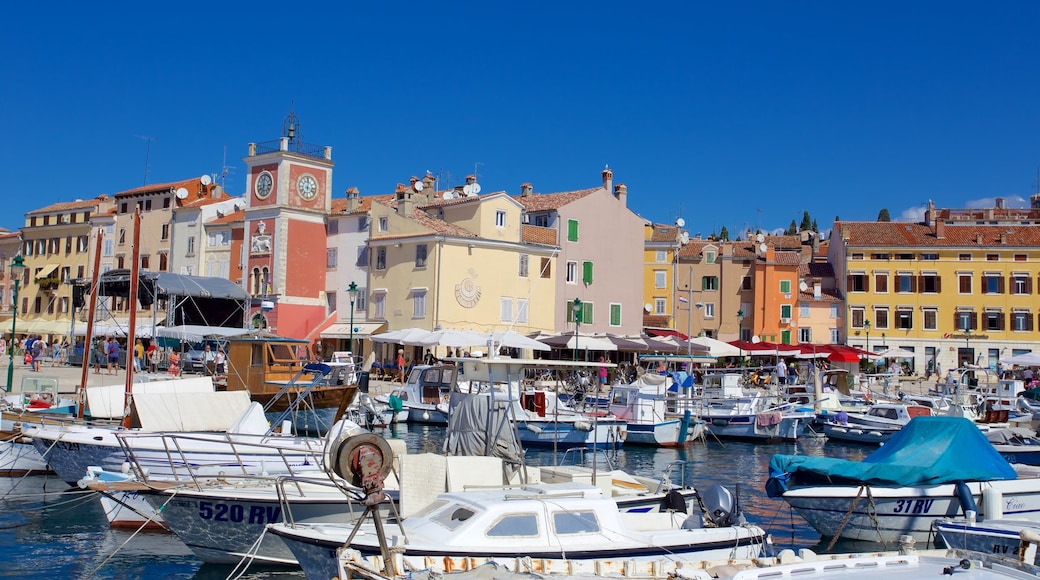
[{"x": 736, "y": 114}]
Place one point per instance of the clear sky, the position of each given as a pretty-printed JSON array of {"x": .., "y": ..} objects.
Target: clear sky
[{"x": 736, "y": 114}]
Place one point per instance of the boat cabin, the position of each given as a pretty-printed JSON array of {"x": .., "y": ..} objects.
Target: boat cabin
[{"x": 429, "y": 384}]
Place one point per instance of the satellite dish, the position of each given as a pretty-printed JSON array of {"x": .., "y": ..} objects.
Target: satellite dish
[
  {"x": 684, "y": 238},
  {"x": 418, "y": 186},
  {"x": 467, "y": 189},
  {"x": 755, "y": 339},
  {"x": 803, "y": 286},
  {"x": 448, "y": 195},
  {"x": 762, "y": 248},
  {"x": 182, "y": 193},
  {"x": 648, "y": 307},
  {"x": 475, "y": 189},
  {"x": 206, "y": 180},
  {"x": 679, "y": 222},
  {"x": 760, "y": 238}
]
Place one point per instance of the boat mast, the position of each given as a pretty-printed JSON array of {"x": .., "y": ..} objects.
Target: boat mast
[
  {"x": 88, "y": 339},
  {"x": 131, "y": 331}
]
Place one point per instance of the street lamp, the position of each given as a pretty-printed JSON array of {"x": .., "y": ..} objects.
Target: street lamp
[
  {"x": 352, "y": 290},
  {"x": 576, "y": 309},
  {"x": 740, "y": 336},
  {"x": 17, "y": 267},
  {"x": 866, "y": 327}
]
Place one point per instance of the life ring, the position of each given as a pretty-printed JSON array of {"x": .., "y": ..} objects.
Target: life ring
[{"x": 345, "y": 455}]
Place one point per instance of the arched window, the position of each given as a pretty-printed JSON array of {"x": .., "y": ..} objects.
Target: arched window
[
  {"x": 258, "y": 321},
  {"x": 266, "y": 281},
  {"x": 256, "y": 281}
]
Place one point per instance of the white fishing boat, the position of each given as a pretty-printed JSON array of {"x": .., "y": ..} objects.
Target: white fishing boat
[
  {"x": 853, "y": 434},
  {"x": 423, "y": 398},
  {"x": 643, "y": 404},
  {"x": 731, "y": 412},
  {"x": 934, "y": 467},
  {"x": 559, "y": 526},
  {"x": 1003, "y": 538}
]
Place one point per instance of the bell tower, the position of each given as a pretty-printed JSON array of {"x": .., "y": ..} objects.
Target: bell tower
[{"x": 289, "y": 186}]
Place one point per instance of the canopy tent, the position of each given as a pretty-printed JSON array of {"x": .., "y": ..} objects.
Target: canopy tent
[
  {"x": 765, "y": 348},
  {"x": 1029, "y": 359},
  {"x": 402, "y": 336},
  {"x": 452, "y": 338},
  {"x": 896, "y": 353},
  {"x": 512, "y": 339},
  {"x": 197, "y": 333},
  {"x": 580, "y": 341},
  {"x": 627, "y": 344},
  {"x": 190, "y": 300},
  {"x": 716, "y": 348},
  {"x": 665, "y": 333}
]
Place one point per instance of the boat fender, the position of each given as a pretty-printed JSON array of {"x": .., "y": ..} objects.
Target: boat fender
[
  {"x": 582, "y": 426},
  {"x": 966, "y": 498},
  {"x": 992, "y": 503}
]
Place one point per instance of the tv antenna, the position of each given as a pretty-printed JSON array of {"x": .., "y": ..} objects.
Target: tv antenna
[
  {"x": 147, "y": 154},
  {"x": 225, "y": 168}
]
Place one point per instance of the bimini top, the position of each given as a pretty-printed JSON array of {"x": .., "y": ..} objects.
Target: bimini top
[
  {"x": 117, "y": 283},
  {"x": 927, "y": 451}
]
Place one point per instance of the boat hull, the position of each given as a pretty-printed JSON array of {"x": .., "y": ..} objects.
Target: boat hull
[
  {"x": 989, "y": 537},
  {"x": 570, "y": 434},
  {"x": 855, "y": 434},
  {"x": 664, "y": 434},
  {"x": 882, "y": 514},
  {"x": 748, "y": 428}
]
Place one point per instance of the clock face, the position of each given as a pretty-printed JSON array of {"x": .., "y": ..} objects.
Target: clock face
[
  {"x": 307, "y": 186},
  {"x": 264, "y": 184}
]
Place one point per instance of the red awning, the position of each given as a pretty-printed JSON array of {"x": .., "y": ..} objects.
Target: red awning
[{"x": 665, "y": 332}]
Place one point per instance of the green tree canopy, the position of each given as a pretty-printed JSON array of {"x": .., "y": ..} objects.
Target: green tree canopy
[
  {"x": 883, "y": 216},
  {"x": 806, "y": 222}
]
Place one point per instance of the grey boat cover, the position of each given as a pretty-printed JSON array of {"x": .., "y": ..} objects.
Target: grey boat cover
[{"x": 473, "y": 429}]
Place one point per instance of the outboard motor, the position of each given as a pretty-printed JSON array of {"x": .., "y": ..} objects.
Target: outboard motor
[{"x": 721, "y": 507}]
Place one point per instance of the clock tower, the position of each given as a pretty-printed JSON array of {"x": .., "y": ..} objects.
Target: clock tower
[{"x": 289, "y": 185}]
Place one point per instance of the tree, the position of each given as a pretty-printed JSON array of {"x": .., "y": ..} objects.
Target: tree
[
  {"x": 792, "y": 230},
  {"x": 814, "y": 227},
  {"x": 724, "y": 234},
  {"x": 883, "y": 216},
  {"x": 806, "y": 222}
]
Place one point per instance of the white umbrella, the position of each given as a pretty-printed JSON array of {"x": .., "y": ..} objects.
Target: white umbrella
[
  {"x": 581, "y": 342},
  {"x": 403, "y": 336},
  {"x": 452, "y": 338},
  {"x": 1029, "y": 359},
  {"x": 511, "y": 339},
  {"x": 716, "y": 348},
  {"x": 895, "y": 353}
]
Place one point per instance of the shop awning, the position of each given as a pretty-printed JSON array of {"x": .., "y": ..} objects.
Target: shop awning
[
  {"x": 665, "y": 332},
  {"x": 47, "y": 272},
  {"x": 361, "y": 330}
]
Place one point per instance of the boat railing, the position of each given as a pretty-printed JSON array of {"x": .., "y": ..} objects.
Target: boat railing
[
  {"x": 352, "y": 494},
  {"x": 185, "y": 464}
]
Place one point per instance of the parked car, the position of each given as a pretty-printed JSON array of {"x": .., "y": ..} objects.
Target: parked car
[{"x": 191, "y": 362}]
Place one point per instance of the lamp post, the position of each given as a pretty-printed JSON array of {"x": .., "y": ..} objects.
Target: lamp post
[
  {"x": 866, "y": 327},
  {"x": 740, "y": 336},
  {"x": 576, "y": 309},
  {"x": 352, "y": 290},
  {"x": 17, "y": 267}
]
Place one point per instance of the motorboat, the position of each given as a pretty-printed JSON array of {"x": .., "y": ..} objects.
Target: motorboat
[
  {"x": 1003, "y": 538},
  {"x": 933, "y": 467},
  {"x": 855, "y": 434},
  {"x": 643, "y": 404},
  {"x": 563, "y": 526},
  {"x": 1016, "y": 444},
  {"x": 424, "y": 396},
  {"x": 731, "y": 412}
]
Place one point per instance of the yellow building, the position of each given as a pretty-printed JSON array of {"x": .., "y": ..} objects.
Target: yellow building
[
  {"x": 661, "y": 244},
  {"x": 958, "y": 288}
]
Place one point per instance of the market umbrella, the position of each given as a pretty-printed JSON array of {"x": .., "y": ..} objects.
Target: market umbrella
[
  {"x": 710, "y": 346},
  {"x": 581, "y": 341},
  {"x": 1029, "y": 359},
  {"x": 512, "y": 339},
  {"x": 896, "y": 353},
  {"x": 402, "y": 336},
  {"x": 451, "y": 338}
]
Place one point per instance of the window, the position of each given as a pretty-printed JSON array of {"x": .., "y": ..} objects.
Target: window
[
  {"x": 572, "y": 230},
  {"x": 857, "y": 315},
  {"x": 145, "y": 261},
  {"x": 880, "y": 318},
  {"x": 710, "y": 283},
  {"x": 615, "y": 314},
  {"x": 420, "y": 256},
  {"x": 805, "y": 334},
  {"x": 1021, "y": 321},
  {"x": 257, "y": 282},
  {"x": 965, "y": 320},
  {"x": 659, "y": 305},
  {"x": 330, "y": 303},
  {"x": 856, "y": 256},
  {"x": 79, "y": 271},
  {"x": 709, "y": 310},
  {"x": 514, "y": 526},
  {"x": 81, "y": 244},
  {"x": 505, "y": 309},
  {"x": 993, "y": 283},
  {"x": 931, "y": 319},
  {"x": 381, "y": 258},
  {"x": 964, "y": 257},
  {"x": 166, "y": 231},
  {"x": 37, "y": 305},
  {"x": 992, "y": 257},
  {"x": 572, "y": 272},
  {"x": 929, "y": 283},
  {"x": 191, "y": 245},
  {"x": 166, "y": 203},
  {"x": 1020, "y": 257},
  {"x": 586, "y": 312},
  {"x": 68, "y": 244},
  {"x": 383, "y": 224},
  {"x": 586, "y": 273},
  {"x": 661, "y": 256},
  {"x": 904, "y": 319},
  {"x": 522, "y": 267},
  {"x": 881, "y": 282},
  {"x": 331, "y": 258},
  {"x": 418, "y": 303},
  {"x": 803, "y": 310},
  {"x": 120, "y": 260},
  {"x": 835, "y": 311},
  {"x": 219, "y": 239},
  {"x": 906, "y": 282},
  {"x": 541, "y": 220},
  {"x": 709, "y": 257},
  {"x": 994, "y": 320},
  {"x": 500, "y": 218},
  {"x": 333, "y": 226},
  {"x": 361, "y": 302},
  {"x": 163, "y": 263},
  {"x": 835, "y": 336},
  {"x": 122, "y": 236},
  {"x": 379, "y": 305},
  {"x": 363, "y": 223},
  {"x": 964, "y": 283},
  {"x": 785, "y": 286},
  {"x": 362, "y": 257},
  {"x": 879, "y": 256},
  {"x": 1021, "y": 284},
  {"x": 785, "y": 312},
  {"x": 521, "y": 310},
  {"x": 660, "y": 279},
  {"x": 858, "y": 282},
  {"x": 546, "y": 268},
  {"x": 575, "y": 522},
  {"x": 931, "y": 257},
  {"x": 746, "y": 283},
  {"x": 904, "y": 256}
]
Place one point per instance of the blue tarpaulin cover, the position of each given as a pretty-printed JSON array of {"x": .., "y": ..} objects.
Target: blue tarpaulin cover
[{"x": 927, "y": 451}]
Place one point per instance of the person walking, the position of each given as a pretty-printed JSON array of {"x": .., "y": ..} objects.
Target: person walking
[
  {"x": 100, "y": 354},
  {"x": 138, "y": 355},
  {"x": 39, "y": 350},
  {"x": 781, "y": 372},
  {"x": 400, "y": 365},
  {"x": 220, "y": 362},
  {"x": 112, "y": 350},
  {"x": 174, "y": 367},
  {"x": 154, "y": 356},
  {"x": 603, "y": 373}
]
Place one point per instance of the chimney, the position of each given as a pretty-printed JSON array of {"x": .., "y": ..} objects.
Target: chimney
[
  {"x": 608, "y": 179},
  {"x": 929, "y": 214},
  {"x": 978, "y": 239},
  {"x": 353, "y": 199},
  {"x": 471, "y": 179},
  {"x": 1003, "y": 238},
  {"x": 1001, "y": 203},
  {"x": 526, "y": 189},
  {"x": 412, "y": 181},
  {"x": 621, "y": 193},
  {"x": 940, "y": 229},
  {"x": 429, "y": 181},
  {"x": 405, "y": 202}
]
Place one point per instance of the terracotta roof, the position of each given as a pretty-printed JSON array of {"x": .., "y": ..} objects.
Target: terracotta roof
[
  {"x": 909, "y": 235},
  {"x": 788, "y": 258},
  {"x": 436, "y": 225},
  {"x": 538, "y": 235},
  {"x": 552, "y": 201},
  {"x": 826, "y": 295},
  {"x": 339, "y": 204},
  {"x": 664, "y": 233},
  {"x": 204, "y": 201},
  {"x": 231, "y": 218},
  {"x": 70, "y": 205},
  {"x": 816, "y": 270},
  {"x": 9, "y": 235},
  {"x": 692, "y": 250},
  {"x": 192, "y": 185}
]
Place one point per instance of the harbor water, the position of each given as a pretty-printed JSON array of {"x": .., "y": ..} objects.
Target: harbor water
[{"x": 49, "y": 531}]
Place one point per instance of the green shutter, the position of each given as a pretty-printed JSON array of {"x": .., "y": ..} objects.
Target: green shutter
[
  {"x": 785, "y": 286},
  {"x": 587, "y": 273},
  {"x": 704, "y": 283},
  {"x": 615, "y": 315},
  {"x": 586, "y": 313},
  {"x": 572, "y": 230}
]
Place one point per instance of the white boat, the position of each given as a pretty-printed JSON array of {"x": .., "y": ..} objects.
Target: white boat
[
  {"x": 884, "y": 415},
  {"x": 1002, "y": 538},
  {"x": 559, "y": 526},
  {"x": 424, "y": 396},
  {"x": 935, "y": 467},
  {"x": 643, "y": 404},
  {"x": 852, "y": 434},
  {"x": 731, "y": 412}
]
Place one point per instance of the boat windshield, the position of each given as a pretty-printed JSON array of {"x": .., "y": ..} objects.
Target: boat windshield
[{"x": 453, "y": 516}]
